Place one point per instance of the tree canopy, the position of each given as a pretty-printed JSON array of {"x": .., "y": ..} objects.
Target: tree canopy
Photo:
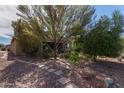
[
  {"x": 55, "y": 23},
  {"x": 104, "y": 38}
]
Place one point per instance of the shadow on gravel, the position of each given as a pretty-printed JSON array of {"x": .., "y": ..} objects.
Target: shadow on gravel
[
  {"x": 112, "y": 69},
  {"x": 15, "y": 71}
]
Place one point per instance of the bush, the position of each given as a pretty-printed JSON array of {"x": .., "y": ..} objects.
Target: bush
[
  {"x": 8, "y": 50},
  {"x": 102, "y": 40},
  {"x": 3, "y": 49},
  {"x": 73, "y": 57}
]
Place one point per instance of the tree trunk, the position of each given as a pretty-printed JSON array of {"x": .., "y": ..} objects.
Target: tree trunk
[
  {"x": 55, "y": 53},
  {"x": 40, "y": 50},
  {"x": 94, "y": 58}
]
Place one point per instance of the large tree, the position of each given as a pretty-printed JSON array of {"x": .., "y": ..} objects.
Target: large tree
[
  {"x": 104, "y": 38},
  {"x": 55, "y": 23}
]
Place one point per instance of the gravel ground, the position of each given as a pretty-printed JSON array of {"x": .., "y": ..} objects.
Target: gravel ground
[{"x": 20, "y": 75}]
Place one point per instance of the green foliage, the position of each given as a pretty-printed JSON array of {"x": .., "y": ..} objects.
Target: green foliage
[
  {"x": 73, "y": 57},
  {"x": 118, "y": 21},
  {"x": 28, "y": 41},
  {"x": 101, "y": 43},
  {"x": 104, "y": 38},
  {"x": 77, "y": 45},
  {"x": 122, "y": 43},
  {"x": 62, "y": 24},
  {"x": 56, "y": 23}
]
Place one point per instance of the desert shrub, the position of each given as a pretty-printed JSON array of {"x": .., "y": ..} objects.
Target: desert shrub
[
  {"x": 8, "y": 49},
  {"x": 3, "y": 49},
  {"x": 73, "y": 57}
]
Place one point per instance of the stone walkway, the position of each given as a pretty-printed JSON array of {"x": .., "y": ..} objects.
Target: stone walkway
[{"x": 62, "y": 80}]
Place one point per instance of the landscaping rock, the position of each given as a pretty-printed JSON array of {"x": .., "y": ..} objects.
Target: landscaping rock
[
  {"x": 109, "y": 82},
  {"x": 71, "y": 85},
  {"x": 9, "y": 85},
  {"x": 59, "y": 72},
  {"x": 118, "y": 85},
  {"x": 64, "y": 80},
  {"x": 51, "y": 70},
  {"x": 40, "y": 66},
  {"x": 45, "y": 67}
]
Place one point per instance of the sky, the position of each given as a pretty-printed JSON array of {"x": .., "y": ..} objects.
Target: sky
[
  {"x": 8, "y": 14},
  {"x": 108, "y": 9}
]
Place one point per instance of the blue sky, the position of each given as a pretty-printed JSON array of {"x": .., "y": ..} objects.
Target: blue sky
[
  {"x": 8, "y": 13},
  {"x": 108, "y": 9},
  {"x": 5, "y": 40}
]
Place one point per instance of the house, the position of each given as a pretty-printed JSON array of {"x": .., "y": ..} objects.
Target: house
[
  {"x": 15, "y": 47},
  {"x": 60, "y": 46}
]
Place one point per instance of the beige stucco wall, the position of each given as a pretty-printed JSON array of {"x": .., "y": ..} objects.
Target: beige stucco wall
[{"x": 15, "y": 48}]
